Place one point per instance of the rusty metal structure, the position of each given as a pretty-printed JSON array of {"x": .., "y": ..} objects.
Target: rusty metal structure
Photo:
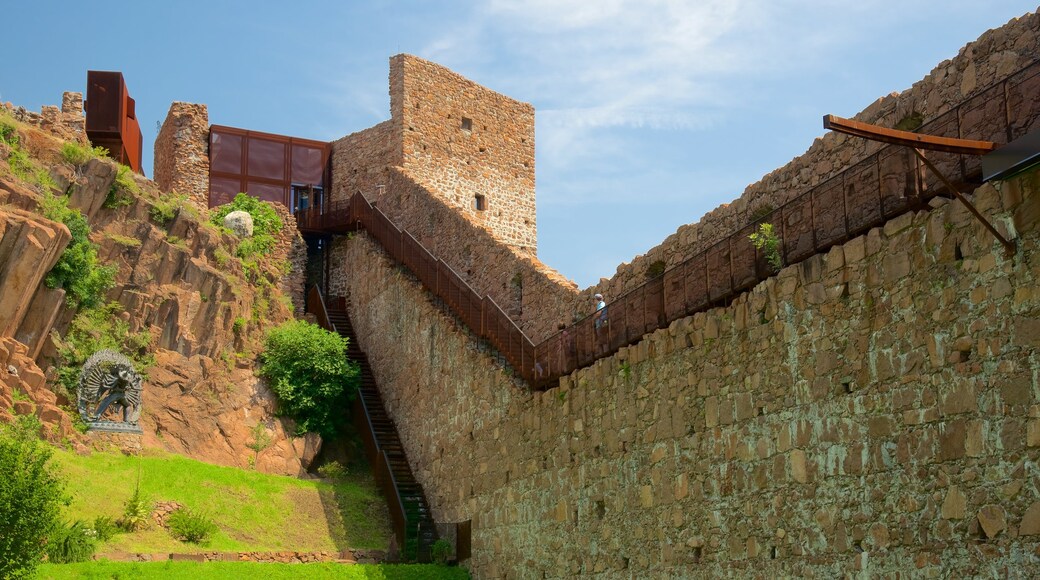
[
  {"x": 111, "y": 118},
  {"x": 287, "y": 170},
  {"x": 888, "y": 182}
]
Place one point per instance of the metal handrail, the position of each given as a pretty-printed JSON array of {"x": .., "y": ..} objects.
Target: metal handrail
[{"x": 824, "y": 215}]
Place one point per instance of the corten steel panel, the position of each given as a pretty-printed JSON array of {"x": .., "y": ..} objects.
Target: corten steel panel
[
  {"x": 223, "y": 189},
  {"x": 675, "y": 292},
  {"x": 982, "y": 117},
  {"x": 267, "y": 158},
  {"x": 307, "y": 165},
  {"x": 798, "y": 229},
  {"x": 617, "y": 320},
  {"x": 653, "y": 304},
  {"x": 225, "y": 152},
  {"x": 696, "y": 282},
  {"x": 267, "y": 192},
  {"x": 743, "y": 257},
  {"x": 863, "y": 196},
  {"x": 104, "y": 103},
  {"x": 1023, "y": 101},
  {"x": 585, "y": 341},
  {"x": 898, "y": 177},
  {"x": 945, "y": 125},
  {"x": 720, "y": 280},
  {"x": 828, "y": 205}
]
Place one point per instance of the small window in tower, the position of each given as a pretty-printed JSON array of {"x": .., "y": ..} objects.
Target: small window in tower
[
  {"x": 479, "y": 202},
  {"x": 467, "y": 124}
]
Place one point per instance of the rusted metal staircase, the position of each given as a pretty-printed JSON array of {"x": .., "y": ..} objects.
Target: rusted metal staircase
[{"x": 413, "y": 521}]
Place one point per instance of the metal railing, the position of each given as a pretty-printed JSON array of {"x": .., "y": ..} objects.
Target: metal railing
[{"x": 885, "y": 184}]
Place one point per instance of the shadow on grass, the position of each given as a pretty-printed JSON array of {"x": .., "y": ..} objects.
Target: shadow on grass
[{"x": 354, "y": 508}]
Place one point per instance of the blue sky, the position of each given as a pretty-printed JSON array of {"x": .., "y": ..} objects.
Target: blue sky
[{"x": 649, "y": 113}]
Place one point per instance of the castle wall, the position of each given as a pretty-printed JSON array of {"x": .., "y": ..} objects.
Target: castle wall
[
  {"x": 181, "y": 154},
  {"x": 461, "y": 140},
  {"x": 522, "y": 286},
  {"x": 994, "y": 56},
  {"x": 873, "y": 410},
  {"x": 361, "y": 161}
]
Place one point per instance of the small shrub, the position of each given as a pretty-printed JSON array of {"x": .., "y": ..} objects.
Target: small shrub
[
  {"x": 123, "y": 183},
  {"x": 8, "y": 133},
  {"x": 31, "y": 497},
  {"x": 105, "y": 528},
  {"x": 766, "y": 241},
  {"x": 125, "y": 241},
  {"x": 222, "y": 257},
  {"x": 70, "y": 543},
  {"x": 136, "y": 512},
  {"x": 78, "y": 154},
  {"x": 166, "y": 207},
  {"x": 261, "y": 440},
  {"x": 191, "y": 526},
  {"x": 333, "y": 470},
  {"x": 308, "y": 371},
  {"x": 238, "y": 325},
  {"x": 441, "y": 551},
  {"x": 266, "y": 224},
  {"x": 911, "y": 122}
]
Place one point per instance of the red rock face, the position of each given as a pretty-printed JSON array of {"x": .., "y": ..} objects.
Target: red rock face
[{"x": 176, "y": 281}]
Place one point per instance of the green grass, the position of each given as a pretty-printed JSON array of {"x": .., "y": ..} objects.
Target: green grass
[
  {"x": 254, "y": 511},
  {"x": 201, "y": 571}
]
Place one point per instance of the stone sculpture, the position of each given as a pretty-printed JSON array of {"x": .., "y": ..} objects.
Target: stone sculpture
[{"x": 110, "y": 392}]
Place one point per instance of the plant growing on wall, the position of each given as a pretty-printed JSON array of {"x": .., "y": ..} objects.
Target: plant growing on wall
[
  {"x": 767, "y": 242},
  {"x": 266, "y": 224},
  {"x": 308, "y": 370}
]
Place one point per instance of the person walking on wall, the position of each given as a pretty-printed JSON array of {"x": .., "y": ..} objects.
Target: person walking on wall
[{"x": 600, "y": 323}]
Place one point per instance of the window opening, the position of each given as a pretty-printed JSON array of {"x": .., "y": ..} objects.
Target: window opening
[{"x": 479, "y": 202}]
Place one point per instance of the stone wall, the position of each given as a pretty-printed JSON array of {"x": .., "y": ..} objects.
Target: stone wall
[
  {"x": 873, "y": 410},
  {"x": 361, "y": 161},
  {"x": 994, "y": 56},
  {"x": 66, "y": 122},
  {"x": 462, "y": 140},
  {"x": 525, "y": 288},
  {"x": 181, "y": 155}
]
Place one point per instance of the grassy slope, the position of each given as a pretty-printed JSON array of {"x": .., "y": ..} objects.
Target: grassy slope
[
  {"x": 254, "y": 511},
  {"x": 198, "y": 571}
]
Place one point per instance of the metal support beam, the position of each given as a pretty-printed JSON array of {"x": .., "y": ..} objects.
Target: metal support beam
[
  {"x": 917, "y": 142},
  {"x": 1009, "y": 245}
]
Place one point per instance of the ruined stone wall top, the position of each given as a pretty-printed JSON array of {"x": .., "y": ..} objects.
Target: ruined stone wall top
[
  {"x": 66, "y": 122},
  {"x": 994, "y": 56},
  {"x": 181, "y": 155},
  {"x": 463, "y": 141}
]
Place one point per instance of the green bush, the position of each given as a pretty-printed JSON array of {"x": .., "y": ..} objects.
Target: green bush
[
  {"x": 191, "y": 526},
  {"x": 266, "y": 224},
  {"x": 333, "y": 470},
  {"x": 766, "y": 241},
  {"x": 166, "y": 207},
  {"x": 31, "y": 497},
  {"x": 441, "y": 551},
  {"x": 8, "y": 133},
  {"x": 105, "y": 528},
  {"x": 123, "y": 183},
  {"x": 307, "y": 368},
  {"x": 78, "y": 154},
  {"x": 78, "y": 270},
  {"x": 70, "y": 543}
]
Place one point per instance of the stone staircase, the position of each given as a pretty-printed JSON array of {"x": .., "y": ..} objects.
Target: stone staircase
[{"x": 420, "y": 532}]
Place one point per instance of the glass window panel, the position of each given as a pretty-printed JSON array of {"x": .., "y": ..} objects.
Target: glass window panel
[
  {"x": 266, "y": 158},
  {"x": 222, "y": 190},
  {"x": 225, "y": 152},
  {"x": 306, "y": 165},
  {"x": 267, "y": 192}
]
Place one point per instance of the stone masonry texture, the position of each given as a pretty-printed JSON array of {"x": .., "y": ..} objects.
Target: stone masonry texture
[
  {"x": 181, "y": 156},
  {"x": 874, "y": 410}
]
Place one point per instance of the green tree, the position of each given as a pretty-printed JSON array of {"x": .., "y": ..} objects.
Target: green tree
[
  {"x": 31, "y": 497},
  {"x": 308, "y": 371}
]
